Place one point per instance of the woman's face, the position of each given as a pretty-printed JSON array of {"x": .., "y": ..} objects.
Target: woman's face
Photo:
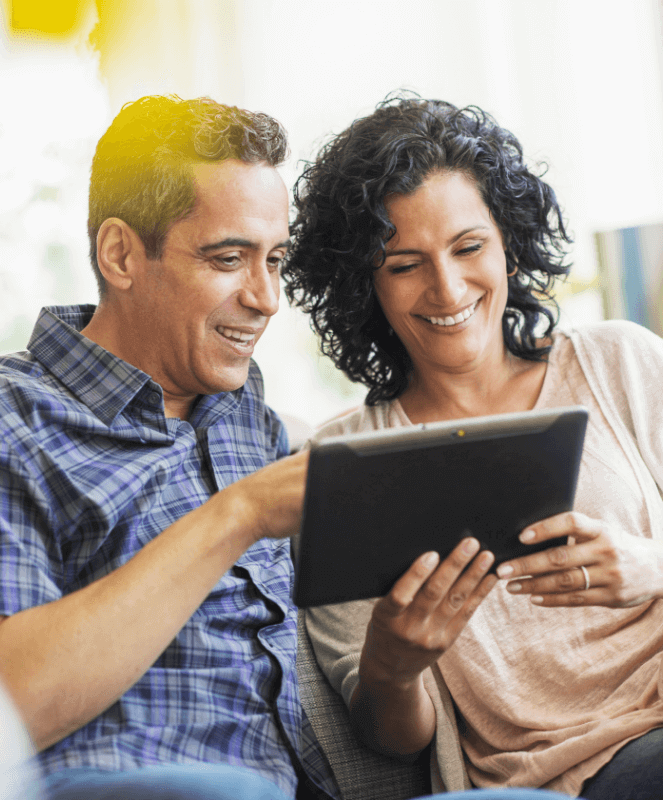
[{"x": 443, "y": 286}]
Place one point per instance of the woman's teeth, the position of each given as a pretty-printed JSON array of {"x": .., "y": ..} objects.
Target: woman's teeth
[
  {"x": 236, "y": 336},
  {"x": 461, "y": 316}
]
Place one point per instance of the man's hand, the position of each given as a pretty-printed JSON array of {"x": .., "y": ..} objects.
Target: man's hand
[
  {"x": 621, "y": 570},
  {"x": 271, "y": 500},
  {"x": 66, "y": 661}
]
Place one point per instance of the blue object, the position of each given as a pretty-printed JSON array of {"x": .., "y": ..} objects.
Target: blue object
[{"x": 91, "y": 470}]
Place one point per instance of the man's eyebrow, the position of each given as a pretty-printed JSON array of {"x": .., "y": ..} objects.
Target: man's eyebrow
[
  {"x": 234, "y": 241},
  {"x": 453, "y": 241}
]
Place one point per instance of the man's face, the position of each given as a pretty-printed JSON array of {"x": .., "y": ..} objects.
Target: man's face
[{"x": 204, "y": 304}]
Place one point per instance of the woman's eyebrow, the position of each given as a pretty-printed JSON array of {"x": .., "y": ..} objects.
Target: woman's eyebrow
[
  {"x": 401, "y": 253},
  {"x": 406, "y": 252}
]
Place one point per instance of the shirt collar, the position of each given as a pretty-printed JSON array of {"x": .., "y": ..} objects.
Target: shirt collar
[
  {"x": 105, "y": 383},
  {"x": 102, "y": 381}
]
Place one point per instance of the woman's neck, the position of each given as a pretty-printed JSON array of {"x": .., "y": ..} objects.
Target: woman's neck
[{"x": 513, "y": 384}]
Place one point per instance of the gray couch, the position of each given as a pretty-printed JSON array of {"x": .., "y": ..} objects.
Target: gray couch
[{"x": 361, "y": 773}]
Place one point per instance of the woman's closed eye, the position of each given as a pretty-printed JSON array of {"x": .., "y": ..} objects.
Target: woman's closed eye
[
  {"x": 472, "y": 248},
  {"x": 398, "y": 269}
]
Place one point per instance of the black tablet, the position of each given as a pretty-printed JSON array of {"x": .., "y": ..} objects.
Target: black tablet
[{"x": 376, "y": 501}]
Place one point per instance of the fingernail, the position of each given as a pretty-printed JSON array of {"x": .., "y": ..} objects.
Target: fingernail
[
  {"x": 486, "y": 560},
  {"x": 430, "y": 559},
  {"x": 514, "y": 587},
  {"x": 470, "y": 546},
  {"x": 527, "y": 536},
  {"x": 504, "y": 570},
  {"x": 536, "y": 600}
]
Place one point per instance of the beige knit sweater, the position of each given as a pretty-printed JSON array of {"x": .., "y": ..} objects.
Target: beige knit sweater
[{"x": 547, "y": 696}]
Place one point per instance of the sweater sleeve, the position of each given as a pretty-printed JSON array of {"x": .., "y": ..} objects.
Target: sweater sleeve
[
  {"x": 338, "y": 633},
  {"x": 623, "y": 363}
]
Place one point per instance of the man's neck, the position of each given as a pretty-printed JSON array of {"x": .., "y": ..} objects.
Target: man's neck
[{"x": 107, "y": 329}]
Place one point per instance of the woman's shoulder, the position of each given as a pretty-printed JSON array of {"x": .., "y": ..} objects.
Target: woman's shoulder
[
  {"x": 618, "y": 352},
  {"x": 621, "y": 333},
  {"x": 358, "y": 420}
]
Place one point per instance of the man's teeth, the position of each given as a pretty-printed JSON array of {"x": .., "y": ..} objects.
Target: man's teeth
[
  {"x": 236, "y": 336},
  {"x": 460, "y": 317}
]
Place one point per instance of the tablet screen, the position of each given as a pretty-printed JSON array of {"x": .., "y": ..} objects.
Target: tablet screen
[{"x": 376, "y": 501}]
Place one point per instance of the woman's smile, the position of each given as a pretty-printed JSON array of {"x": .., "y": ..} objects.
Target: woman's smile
[{"x": 453, "y": 321}]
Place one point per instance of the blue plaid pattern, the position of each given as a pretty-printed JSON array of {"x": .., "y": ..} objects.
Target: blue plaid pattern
[{"x": 90, "y": 471}]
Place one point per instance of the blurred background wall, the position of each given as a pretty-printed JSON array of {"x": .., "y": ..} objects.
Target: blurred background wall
[{"x": 578, "y": 81}]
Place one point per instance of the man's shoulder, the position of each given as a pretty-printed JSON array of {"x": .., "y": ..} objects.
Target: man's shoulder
[
  {"x": 36, "y": 409},
  {"x": 21, "y": 377},
  {"x": 22, "y": 363}
]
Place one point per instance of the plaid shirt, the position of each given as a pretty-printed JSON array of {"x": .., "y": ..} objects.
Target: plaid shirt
[{"x": 90, "y": 471}]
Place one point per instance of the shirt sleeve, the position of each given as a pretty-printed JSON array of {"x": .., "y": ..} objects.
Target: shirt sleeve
[{"x": 30, "y": 556}]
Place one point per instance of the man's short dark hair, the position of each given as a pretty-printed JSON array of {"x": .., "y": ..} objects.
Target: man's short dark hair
[
  {"x": 342, "y": 229},
  {"x": 141, "y": 171}
]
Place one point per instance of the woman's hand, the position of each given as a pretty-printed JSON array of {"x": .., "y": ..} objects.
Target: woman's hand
[
  {"x": 424, "y": 613},
  {"x": 410, "y": 629},
  {"x": 602, "y": 566}
]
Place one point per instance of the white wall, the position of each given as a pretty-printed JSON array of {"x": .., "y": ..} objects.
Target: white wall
[{"x": 578, "y": 81}]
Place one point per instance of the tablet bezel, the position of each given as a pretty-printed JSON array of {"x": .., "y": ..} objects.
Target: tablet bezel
[{"x": 326, "y": 542}]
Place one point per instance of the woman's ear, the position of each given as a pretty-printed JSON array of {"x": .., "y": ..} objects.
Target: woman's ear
[{"x": 119, "y": 251}]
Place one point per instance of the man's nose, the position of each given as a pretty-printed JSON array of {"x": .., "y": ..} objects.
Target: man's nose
[{"x": 261, "y": 290}]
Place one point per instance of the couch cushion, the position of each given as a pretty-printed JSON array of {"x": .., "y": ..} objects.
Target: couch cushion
[{"x": 361, "y": 773}]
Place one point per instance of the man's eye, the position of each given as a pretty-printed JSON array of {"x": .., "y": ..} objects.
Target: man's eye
[
  {"x": 227, "y": 262},
  {"x": 275, "y": 262}
]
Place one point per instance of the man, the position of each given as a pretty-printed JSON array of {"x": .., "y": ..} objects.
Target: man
[{"x": 148, "y": 636}]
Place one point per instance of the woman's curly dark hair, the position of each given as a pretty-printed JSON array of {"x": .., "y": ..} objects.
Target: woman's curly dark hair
[{"x": 342, "y": 228}]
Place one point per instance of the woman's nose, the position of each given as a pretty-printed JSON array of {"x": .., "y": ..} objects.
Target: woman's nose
[{"x": 447, "y": 284}]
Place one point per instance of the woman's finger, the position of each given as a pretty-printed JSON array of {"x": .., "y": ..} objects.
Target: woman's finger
[
  {"x": 466, "y": 585},
  {"x": 592, "y": 597},
  {"x": 426, "y": 582},
  {"x": 407, "y": 586},
  {"x": 574, "y": 579},
  {"x": 455, "y": 625},
  {"x": 580, "y": 527},
  {"x": 446, "y": 577}
]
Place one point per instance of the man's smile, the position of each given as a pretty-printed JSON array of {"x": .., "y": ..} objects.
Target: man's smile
[{"x": 237, "y": 335}]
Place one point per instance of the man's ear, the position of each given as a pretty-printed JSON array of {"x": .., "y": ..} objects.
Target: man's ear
[{"x": 119, "y": 252}]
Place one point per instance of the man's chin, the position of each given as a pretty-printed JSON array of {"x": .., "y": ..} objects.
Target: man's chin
[{"x": 229, "y": 380}]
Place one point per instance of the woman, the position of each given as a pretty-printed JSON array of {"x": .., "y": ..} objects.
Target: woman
[{"x": 425, "y": 251}]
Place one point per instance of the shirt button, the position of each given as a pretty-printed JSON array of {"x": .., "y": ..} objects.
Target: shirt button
[{"x": 154, "y": 397}]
